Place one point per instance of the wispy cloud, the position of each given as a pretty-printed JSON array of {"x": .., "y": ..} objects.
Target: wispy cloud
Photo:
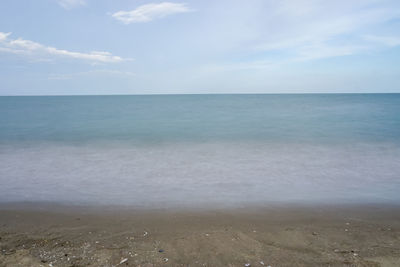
[
  {"x": 70, "y": 76},
  {"x": 315, "y": 29},
  {"x": 385, "y": 40},
  {"x": 69, "y": 4},
  {"x": 149, "y": 12},
  {"x": 33, "y": 49}
]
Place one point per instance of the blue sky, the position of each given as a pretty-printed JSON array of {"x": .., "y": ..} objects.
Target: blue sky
[{"x": 52, "y": 47}]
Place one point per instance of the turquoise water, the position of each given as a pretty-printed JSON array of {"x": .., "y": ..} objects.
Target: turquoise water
[
  {"x": 198, "y": 118},
  {"x": 200, "y": 150}
]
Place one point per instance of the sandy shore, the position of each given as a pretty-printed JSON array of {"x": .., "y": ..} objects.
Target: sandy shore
[{"x": 274, "y": 236}]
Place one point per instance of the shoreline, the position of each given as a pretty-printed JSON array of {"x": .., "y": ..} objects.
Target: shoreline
[{"x": 277, "y": 235}]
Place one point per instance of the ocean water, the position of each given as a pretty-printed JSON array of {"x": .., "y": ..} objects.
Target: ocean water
[{"x": 200, "y": 150}]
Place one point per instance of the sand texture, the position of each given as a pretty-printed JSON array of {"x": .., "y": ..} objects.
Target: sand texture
[{"x": 279, "y": 236}]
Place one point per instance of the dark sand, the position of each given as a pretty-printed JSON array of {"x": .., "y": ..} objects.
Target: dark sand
[{"x": 274, "y": 236}]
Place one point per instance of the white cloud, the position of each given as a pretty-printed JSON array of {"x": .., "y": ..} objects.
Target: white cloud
[
  {"x": 69, "y": 4},
  {"x": 4, "y": 36},
  {"x": 149, "y": 12},
  {"x": 30, "y": 48}
]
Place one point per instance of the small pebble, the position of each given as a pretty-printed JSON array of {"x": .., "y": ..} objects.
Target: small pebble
[
  {"x": 247, "y": 265},
  {"x": 124, "y": 260}
]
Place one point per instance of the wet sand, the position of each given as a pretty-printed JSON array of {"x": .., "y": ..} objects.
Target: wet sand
[{"x": 44, "y": 235}]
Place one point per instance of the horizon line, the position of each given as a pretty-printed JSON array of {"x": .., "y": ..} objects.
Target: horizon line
[{"x": 175, "y": 94}]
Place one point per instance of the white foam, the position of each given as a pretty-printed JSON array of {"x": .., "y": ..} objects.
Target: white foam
[{"x": 221, "y": 174}]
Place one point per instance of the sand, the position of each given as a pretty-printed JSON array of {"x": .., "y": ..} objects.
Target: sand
[{"x": 44, "y": 235}]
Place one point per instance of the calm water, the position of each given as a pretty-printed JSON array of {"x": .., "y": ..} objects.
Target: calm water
[{"x": 199, "y": 150}]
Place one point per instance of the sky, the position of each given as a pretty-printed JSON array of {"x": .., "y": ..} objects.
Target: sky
[{"x": 81, "y": 47}]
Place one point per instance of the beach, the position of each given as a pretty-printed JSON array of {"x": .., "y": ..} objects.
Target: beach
[
  {"x": 277, "y": 235},
  {"x": 200, "y": 180},
  {"x": 259, "y": 133}
]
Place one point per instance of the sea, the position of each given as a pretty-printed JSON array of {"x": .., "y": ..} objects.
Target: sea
[{"x": 166, "y": 151}]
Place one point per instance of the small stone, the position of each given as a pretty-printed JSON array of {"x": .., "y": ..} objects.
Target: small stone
[
  {"x": 123, "y": 260},
  {"x": 262, "y": 263},
  {"x": 12, "y": 251},
  {"x": 165, "y": 259},
  {"x": 314, "y": 233},
  {"x": 247, "y": 265}
]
